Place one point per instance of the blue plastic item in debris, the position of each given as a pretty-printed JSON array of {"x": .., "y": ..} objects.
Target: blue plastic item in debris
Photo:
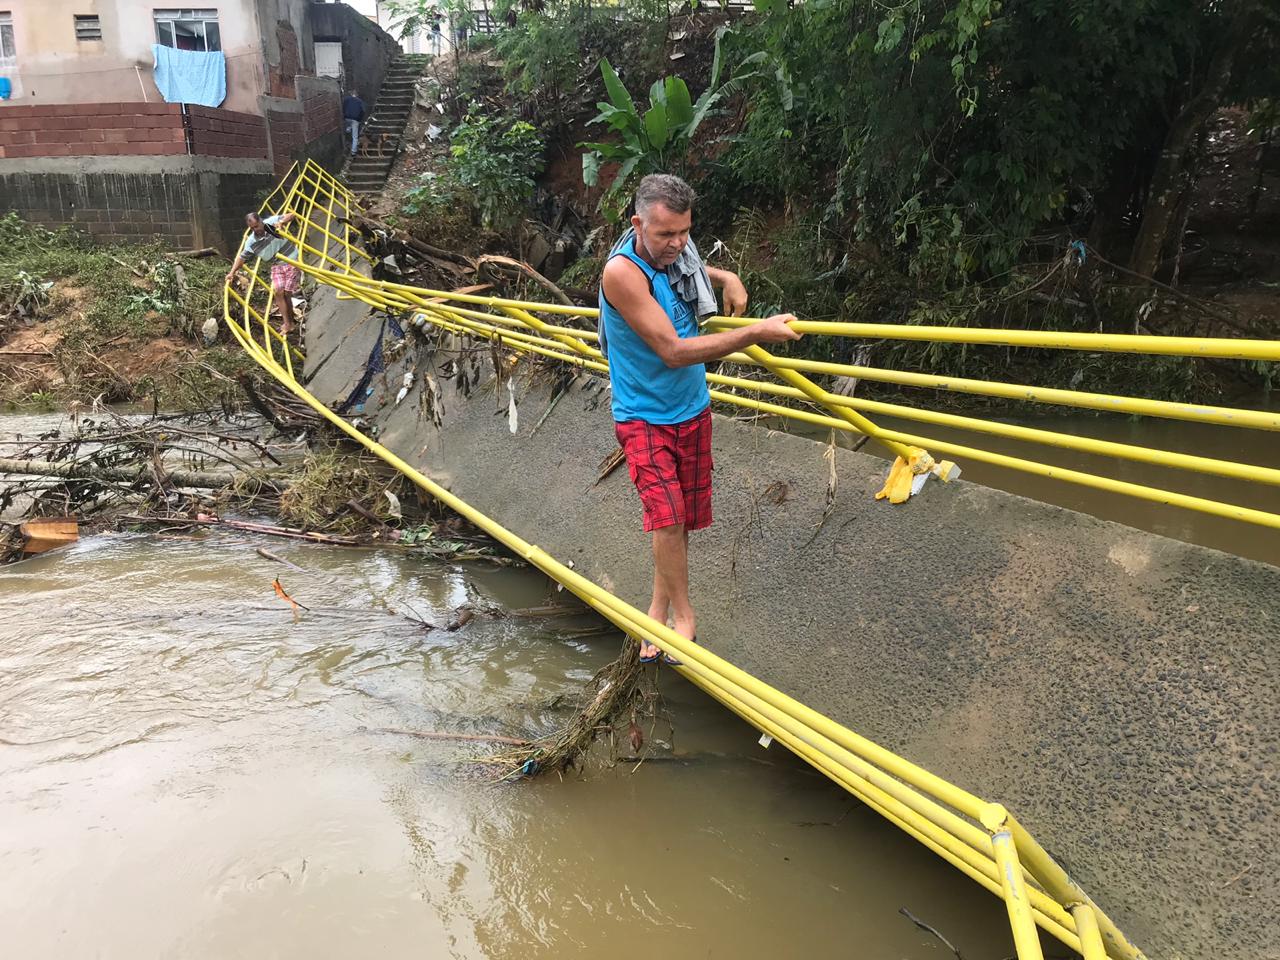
[{"x": 6, "y": 88}]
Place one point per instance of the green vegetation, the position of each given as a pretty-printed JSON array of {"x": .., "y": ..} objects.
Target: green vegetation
[
  {"x": 951, "y": 135},
  {"x": 85, "y": 309},
  {"x": 930, "y": 161},
  {"x": 656, "y": 141},
  {"x": 491, "y": 165}
]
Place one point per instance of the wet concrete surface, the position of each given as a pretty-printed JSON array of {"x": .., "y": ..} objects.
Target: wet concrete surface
[{"x": 1114, "y": 688}]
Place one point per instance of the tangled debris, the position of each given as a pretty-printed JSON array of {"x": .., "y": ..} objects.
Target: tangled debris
[
  {"x": 118, "y": 471},
  {"x": 614, "y": 705}
]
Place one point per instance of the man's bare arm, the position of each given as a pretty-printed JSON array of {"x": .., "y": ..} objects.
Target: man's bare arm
[
  {"x": 235, "y": 267},
  {"x": 628, "y": 290},
  {"x": 735, "y": 294}
]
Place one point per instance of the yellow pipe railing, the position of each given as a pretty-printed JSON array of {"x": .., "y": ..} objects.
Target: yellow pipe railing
[
  {"x": 1220, "y": 347},
  {"x": 1151, "y": 456},
  {"x": 839, "y": 407},
  {"x": 978, "y": 838}
]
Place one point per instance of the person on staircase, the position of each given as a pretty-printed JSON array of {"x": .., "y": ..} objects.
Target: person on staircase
[
  {"x": 353, "y": 117},
  {"x": 654, "y": 290}
]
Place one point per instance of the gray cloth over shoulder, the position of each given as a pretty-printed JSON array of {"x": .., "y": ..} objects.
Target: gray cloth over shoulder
[{"x": 687, "y": 276}]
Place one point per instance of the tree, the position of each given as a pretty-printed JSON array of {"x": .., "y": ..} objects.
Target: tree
[
  {"x": 1238, "y": 29},
  {"x": 949, "y": 133},
  {"x": 657, "y": 140}
]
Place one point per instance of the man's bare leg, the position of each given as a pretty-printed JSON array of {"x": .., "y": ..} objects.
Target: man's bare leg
[
  {"x": 671, "y": 576},
  {"x": 659, "y": 609},
  {"x": 285, "y": 299}
]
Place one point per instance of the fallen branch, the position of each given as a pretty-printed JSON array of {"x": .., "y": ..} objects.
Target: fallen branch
[
  {"x": 610, "y": 464},
  {"x": 268, "y": 555},
  {"x": 290, "y": 533},
  {"x": 413, "y": 242},
  {"x": 74, "y": 471},
  {"x": 528, "y": 271},
  {"x": 612, "y": 698},
  {"x": 928, "y": 929},
  {"x": 134, "y": 270}
]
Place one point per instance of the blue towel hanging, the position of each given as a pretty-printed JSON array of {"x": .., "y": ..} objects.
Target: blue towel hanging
[{"x": 191, "y": 76}]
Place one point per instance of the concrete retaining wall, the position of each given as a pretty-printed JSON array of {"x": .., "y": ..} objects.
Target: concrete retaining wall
[
  {"x": 185, "y": 201},
  {"x": 1114, "y": 688}
]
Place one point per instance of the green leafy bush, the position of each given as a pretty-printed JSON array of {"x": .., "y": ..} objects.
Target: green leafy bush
[
  {"x": 491, "y": 166},
  {"x": 656, "y": 141},
  {"x": 950, "y": 133}
]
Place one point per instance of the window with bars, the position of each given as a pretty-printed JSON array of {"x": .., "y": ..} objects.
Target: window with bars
[
  {"x": 8, "y": 49},
  {"x": 88, "y": 27},
  {"x": 188, "y": 28}
]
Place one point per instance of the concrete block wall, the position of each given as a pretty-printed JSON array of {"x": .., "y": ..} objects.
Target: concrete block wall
[
  {"x": 181, "y": 201},
  {"x": 93, "y": 130},
  {"x": 234, "y": 195},
  {"x": 123, "y": 206},
  {"x": 226, "y": 133}
]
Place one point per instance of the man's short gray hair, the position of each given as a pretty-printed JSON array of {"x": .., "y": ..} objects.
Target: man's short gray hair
[{"x": 666, "y": 189}]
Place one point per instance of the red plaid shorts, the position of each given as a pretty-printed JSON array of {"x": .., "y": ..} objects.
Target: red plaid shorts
[
  {"x": 285, "y": 277},
  {"x": 670, "y": 465}
]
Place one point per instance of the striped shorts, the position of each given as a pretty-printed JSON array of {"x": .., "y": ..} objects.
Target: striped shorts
[{"x": 670, "y": 464}]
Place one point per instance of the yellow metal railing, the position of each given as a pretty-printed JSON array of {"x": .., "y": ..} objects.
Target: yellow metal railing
[{"x": 981, "y": 839}]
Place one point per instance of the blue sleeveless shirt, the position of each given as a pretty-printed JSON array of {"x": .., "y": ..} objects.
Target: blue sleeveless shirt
[{"x": 645, "y": 388}]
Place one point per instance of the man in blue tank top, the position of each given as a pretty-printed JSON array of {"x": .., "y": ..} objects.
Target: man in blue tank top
[{"x": 661, "y": 406}]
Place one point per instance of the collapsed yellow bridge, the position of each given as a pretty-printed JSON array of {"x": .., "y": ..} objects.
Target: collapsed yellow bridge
[{"x": 978, "y": 837}]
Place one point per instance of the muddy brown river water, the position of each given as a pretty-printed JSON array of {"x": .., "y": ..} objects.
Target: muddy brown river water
[{"x": 186, "y": 771}]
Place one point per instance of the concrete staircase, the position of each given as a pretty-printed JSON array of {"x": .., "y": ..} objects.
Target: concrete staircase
[{"x": 368, "y": 174}]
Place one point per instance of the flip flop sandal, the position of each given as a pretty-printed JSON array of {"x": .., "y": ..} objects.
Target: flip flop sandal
[{"x": 671, "y": 661}]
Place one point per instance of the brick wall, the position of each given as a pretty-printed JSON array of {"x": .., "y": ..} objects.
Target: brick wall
[
  {"x": 280, "y": 75},
  {"x": 321, "y": 111},
  {"x": 286, "y": 131},
  {"x": 92, "y": 129},
  {"x": 226, "y": 133},
  {"x": 308, "y": 127}
]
